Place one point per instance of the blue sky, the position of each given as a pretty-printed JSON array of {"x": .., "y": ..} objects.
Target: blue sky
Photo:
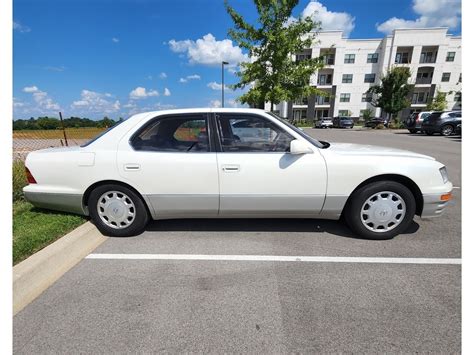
[{"x": 118, "y": 57}]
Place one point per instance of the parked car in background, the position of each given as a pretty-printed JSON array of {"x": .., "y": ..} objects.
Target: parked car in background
[
  {"x": 415, "y": 120},
  {"x": 374, "y": 122},
  {"x": 343, "y": 122},
  {"x": 323, "y": 122},
  {"x": 443, "y": 122},
  {"x": 192, "y": 163}
]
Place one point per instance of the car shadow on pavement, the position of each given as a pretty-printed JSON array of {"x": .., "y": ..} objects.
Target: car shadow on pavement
[{"x": 260, "y": 225}]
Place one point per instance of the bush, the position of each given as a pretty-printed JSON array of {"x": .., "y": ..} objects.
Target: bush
[{"x": 19, "y": 179}]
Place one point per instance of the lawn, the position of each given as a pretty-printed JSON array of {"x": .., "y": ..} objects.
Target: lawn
[{"x": 34, "y": 228}]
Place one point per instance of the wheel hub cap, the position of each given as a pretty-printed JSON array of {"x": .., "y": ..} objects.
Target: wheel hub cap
[
  {"x": 116, "y": 209},
  {"x": 383, "y": 211}
]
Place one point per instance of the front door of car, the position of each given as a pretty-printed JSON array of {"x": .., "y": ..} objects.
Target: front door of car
[
  {"x": 172, "y": 162},
  {"x": 258, "y": 177}
]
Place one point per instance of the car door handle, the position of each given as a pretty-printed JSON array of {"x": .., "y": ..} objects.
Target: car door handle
[
  {"x": 231, "y": 168},
  {"x": 131, "y": 167}
]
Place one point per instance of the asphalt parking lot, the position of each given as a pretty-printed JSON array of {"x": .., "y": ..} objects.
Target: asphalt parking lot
[{"x": 186, "y": 305}]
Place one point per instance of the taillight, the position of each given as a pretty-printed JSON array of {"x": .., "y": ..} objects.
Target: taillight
[
  {"x": 418, "y": 117},
  {"x": 29, "y": 176}
]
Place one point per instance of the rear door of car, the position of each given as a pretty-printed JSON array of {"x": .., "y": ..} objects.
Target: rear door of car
[
  {"x": 258, "y": 177},
  {"x": 172, "y": 161}
]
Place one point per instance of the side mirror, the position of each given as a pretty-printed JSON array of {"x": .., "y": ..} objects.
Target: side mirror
[{"x": 299, "y": 147}]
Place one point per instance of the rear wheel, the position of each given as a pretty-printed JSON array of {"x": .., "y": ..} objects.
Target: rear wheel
[
  {"x": 412, "y": 131},
  {"x": 447, "y": 130},
  {"x": 117, "y": 210},
  {"x": 380, "y": 210}
]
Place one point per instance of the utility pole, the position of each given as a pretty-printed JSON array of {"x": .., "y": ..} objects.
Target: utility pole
[
  {"x": 62, "y": 126},
  {"x": 223, "y": 63}
]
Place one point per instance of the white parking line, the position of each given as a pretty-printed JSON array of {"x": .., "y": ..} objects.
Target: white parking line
[
  {"x": 314, "y": 259},
  {"x": 456, "y": 187}
]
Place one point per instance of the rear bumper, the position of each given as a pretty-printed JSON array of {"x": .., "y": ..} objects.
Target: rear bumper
[
  {"x": 56, "y": 201},
  {"x": 433, "y": 206}
]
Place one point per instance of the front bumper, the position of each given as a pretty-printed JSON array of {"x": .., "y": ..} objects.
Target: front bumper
[
  {"x": 56, "y": 201},
  {"x": 433, "y": 205}
]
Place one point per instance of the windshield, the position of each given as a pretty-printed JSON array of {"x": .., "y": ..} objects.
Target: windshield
[
  {"x": 102, "y": 133},
  {"x": 312, "y": 140}
]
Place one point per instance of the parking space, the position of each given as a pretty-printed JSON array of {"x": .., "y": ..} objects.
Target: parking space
[{"x": 278, "y": 305}]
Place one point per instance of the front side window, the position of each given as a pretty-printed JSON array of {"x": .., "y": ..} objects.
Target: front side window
[
  {"x": 349, "y": 58},
  {"x": 347, "y": 78},
  {"x": 345, "y": 97},
  {"x": 248, "y": 133},
  {"x": 180, "y": 133}
]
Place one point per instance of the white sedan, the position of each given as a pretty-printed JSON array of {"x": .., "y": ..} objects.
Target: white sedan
[{"x": 233, "y": 163}]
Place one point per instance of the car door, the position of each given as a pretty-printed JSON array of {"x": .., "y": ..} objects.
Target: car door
[
  {"x": 172, "y": 162},
  {"x": 259, "y": 177}
]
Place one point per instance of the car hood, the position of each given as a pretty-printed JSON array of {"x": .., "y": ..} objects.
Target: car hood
[{"x": 373, "y": 150}]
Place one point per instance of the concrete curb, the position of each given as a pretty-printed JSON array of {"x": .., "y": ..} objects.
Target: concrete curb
[{"x": 35, "y": 274}]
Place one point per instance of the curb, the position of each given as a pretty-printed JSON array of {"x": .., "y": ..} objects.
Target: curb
[{"x": 34, "y": 275}]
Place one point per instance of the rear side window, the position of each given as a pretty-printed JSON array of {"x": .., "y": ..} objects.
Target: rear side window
[
  {"x": 180, "y": 133},
  {"x": 249, "y": 133}
]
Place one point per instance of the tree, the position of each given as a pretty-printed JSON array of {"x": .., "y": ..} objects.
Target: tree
[
  {"x": 439, "y": 102},
  {"x": 272, "y": 73},
  {"x": 393, "y": 92}
]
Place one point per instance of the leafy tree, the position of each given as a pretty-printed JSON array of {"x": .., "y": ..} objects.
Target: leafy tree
[
  {"x": 367, "y": 114},
  {"x": 272, "y": 73},
  {"x": 393, "y": 92},
  {"x": 439, "y": 102}
]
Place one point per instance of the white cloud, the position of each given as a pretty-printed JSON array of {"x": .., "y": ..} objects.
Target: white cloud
[
  {"x": 216, "y": 86},
  {"x": 30, "y": 89},
  {"x": 215, "y": 103},
  {"x": 142, "y": 93},
  {"x": 163, "y": 75},
  {"x": 95, "y": 102},
  {"x": 330, "y": 20},
  {"x": 167, "y": 92},
  {"x": 432, "y": 13},
  {"x": 115, "y": 40},
  {"x": 208, "y": 51},
  {"x": 58, "y": 69},
  {"x": 43, "y": 102},
  {"x": 190, "y": 77},
  {"x": 20, "y": 28}
]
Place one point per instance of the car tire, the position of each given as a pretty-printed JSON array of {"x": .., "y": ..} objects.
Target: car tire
[
  {"x": 117, "y": 211},
  {"x": 381, "y": 203},
  {"x": 447, "y": 130},
  {"x": 412, "y": 131}
]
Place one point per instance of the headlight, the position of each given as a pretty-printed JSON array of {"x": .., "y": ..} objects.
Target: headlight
[{"x": 444, "y": 174}]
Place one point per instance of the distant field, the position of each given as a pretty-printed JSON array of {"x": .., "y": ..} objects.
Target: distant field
[{"x": 72, "y": 133}]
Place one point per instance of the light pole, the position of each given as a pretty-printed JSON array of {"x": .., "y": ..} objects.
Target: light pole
[{"x": 223, "y": 63}]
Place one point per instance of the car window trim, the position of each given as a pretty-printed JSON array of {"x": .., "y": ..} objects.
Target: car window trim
[{"x": 201, "y": 115}]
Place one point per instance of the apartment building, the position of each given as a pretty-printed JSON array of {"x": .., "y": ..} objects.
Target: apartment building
[{"x": 353, "y": 65}]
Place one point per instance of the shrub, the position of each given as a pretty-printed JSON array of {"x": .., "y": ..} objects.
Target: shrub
[{"x": 19, "y": 179}]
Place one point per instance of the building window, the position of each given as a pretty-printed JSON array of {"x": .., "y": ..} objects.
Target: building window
[
  {"x": 325, "y": 79},
  {"x": 446, "y": 77},
  {"x": 349, "y": 58},
  {"x": 419, "y": 98},
  {"x": 367, "y": 97},
  {"x": 458, "y": 96},
  {"x": 345, "y": 97},
  {"x": 328, "y": 58},
  {"x": 450, "y": 56},
  {"x": 322, "y": 100},
  {"x": 301, "y": 101},
  {"x": 372, "y": 58},
  {"x": 428, "y": 57},
  {"x": 300, "y": 57},
  {"x": 369, "y": 78},
  {"x": 347, "y": 78},
  {"x": 402, "y": 58},
  {"x": 343, "y": 113}
]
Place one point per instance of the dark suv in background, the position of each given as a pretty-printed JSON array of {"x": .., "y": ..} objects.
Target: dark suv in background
[
  {"x": 415, "y": 121},
  {"x": 343, "y": 122},
  {"x": 441, "y": 122}
]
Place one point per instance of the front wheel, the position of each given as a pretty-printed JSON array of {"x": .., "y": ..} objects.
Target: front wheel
[
  {"x": 412, "y": 131},
  {"x": 447, "y": 130},
  {"x": 117, "y": 211},
  {"x": 380, "y": 210}
]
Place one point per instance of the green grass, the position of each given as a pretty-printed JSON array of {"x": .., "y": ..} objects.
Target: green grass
[{"x": 34, "y": 229}]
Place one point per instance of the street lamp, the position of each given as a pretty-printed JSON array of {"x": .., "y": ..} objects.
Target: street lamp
[{"x": 223, "y": 63}]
